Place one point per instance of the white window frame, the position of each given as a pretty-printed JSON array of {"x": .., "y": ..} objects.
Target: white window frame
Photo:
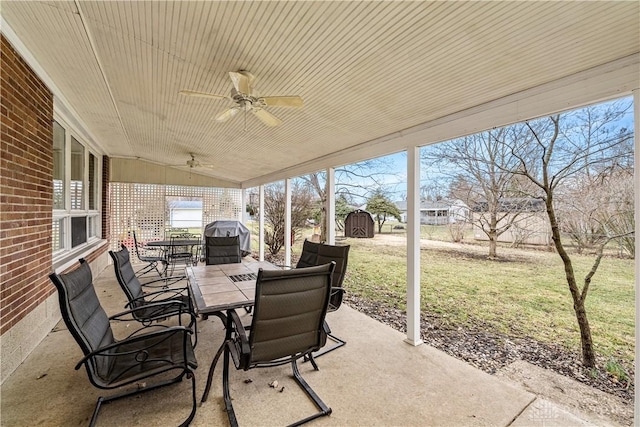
[{"x": 93, "y": 216}]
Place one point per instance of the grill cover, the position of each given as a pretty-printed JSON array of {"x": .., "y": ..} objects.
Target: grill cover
[{"x": 230, "y": 228}]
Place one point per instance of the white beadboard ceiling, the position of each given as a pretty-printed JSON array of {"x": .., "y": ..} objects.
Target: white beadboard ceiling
[{"x": 364, "y": 69}]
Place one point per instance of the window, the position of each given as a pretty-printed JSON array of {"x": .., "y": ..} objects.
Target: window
[
  {"x": 93, "y": 182},
  {"x": 58, "y": 165},
  {"x": 77, "y": 174},
  {"x": 76, "y": 191}
]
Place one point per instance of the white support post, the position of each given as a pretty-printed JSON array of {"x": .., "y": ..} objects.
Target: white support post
[
  {"x": 261, "y": 224},
  {"x": 244, "y": 216},
  {"x": 413, "y": 246},
  {"x": 287, "y": 221},
  {"x": 636, "y": 185},
  {"x": 330, "y": 208}
]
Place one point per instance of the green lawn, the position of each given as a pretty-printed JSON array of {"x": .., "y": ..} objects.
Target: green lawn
[{"x": 522, "y": 294}]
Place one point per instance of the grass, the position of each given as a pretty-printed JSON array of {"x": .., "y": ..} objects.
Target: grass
[{"x": 522, "y": 294}]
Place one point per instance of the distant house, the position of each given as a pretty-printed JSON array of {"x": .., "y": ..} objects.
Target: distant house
[
  {"x": 185, "y": 214},
  {"x": 531, "y": 226},
  {"x": 440, "y": 212}
]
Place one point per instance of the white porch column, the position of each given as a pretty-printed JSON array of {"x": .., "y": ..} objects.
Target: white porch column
[
  {"x": 330, "y": 208},
  {"x": 413, "y": 246},
  {"x": 287, "y": 221},
  {"x": 244, "y": 215},
  {"x": 636, "y": 185},
  {"x": 261, "y": 224}
]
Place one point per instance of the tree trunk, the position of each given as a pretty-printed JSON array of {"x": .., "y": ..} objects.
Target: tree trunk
[
  {"x": 493, "y": 245},
  {"x": 588, "y": 354},
  {"x": 493, "y": 234}
]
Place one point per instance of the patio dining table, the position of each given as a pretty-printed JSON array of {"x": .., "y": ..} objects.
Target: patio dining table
[
  {"x": 218, "y": 288},
  {"x": 166, "y": 245}
]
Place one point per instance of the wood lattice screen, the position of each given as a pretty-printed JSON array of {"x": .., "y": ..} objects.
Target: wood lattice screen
[{"x": 141, "y": 207}]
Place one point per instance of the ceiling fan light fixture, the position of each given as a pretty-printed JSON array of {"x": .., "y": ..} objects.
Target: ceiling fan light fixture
[
  {"x": 246, "y": 105},
  {"x": 245, "y": 99}
]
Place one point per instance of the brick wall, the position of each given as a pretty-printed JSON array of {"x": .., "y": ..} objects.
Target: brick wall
[{"x": 26, "y": 194}]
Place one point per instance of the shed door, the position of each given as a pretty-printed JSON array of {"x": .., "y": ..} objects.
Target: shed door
[{"x": 359, "y": 223}]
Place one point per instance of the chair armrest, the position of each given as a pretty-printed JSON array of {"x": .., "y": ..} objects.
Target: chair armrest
[
  {"x": 158, "y": 337},
  {"x": 179, "y": 308}
]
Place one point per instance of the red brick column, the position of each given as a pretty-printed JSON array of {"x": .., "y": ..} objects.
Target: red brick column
[{"x": 26, "y": 191}]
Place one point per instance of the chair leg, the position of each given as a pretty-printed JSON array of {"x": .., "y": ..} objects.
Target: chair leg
[
  {"x": 339, "y": 343},
  {"x": 207, "y": 388},
  {"x": 109, "y": 399},
  {"x": 324, "y": 409},
  {"x": 147, "y": 268},
  {"x": 233, "y": 421}
]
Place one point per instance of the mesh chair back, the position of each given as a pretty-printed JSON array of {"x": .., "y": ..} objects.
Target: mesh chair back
[
  {"x": 290, "y": 307},
  {"x": 125, "y": 274},
  {"x": 84, "y": 316},
  {"x": 309, "y": 256},
  {"x": 222, "y": 250},
  {"x": 318, "y": 254}
]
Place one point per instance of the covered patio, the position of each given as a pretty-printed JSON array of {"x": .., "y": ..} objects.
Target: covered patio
[{"x": 412, "y": 386}]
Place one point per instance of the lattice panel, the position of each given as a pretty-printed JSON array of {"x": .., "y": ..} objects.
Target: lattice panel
[{"x": 142, "y": 207}]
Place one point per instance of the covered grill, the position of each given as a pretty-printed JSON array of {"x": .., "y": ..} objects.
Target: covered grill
[{"x": 224, "y": 228}]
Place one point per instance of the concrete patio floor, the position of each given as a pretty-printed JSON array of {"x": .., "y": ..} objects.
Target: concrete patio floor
[{"x": 375, "y": 380}]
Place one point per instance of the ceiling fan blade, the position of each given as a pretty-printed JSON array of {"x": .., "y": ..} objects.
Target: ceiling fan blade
[
  {"x": 266, "y": 117},
  {"x": 242, "y": 81},
  {"x": 201, "y": 94},
  {"x": 283, "y": 101},
  {"x": 227, "y": 114}
]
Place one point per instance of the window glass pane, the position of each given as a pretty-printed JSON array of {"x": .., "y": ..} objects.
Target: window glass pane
[
  {"x": 58, "y": 166},
  {"x": 93, "y": 226},
  {"x": 78, "y": 230},
  {"x": 93, "y": 182},
  {"x": 58, "y": 234},
  {"x": 77, "y": 174}
]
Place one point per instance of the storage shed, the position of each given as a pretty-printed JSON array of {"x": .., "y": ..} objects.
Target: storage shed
[{"x": 359, "y": 224}]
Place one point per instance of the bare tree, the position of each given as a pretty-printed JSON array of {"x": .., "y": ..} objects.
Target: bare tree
[
  {"x": 553, "y": 151},
  {"x": 481, "y": 168},
  {"x": 274, "y": 210}
]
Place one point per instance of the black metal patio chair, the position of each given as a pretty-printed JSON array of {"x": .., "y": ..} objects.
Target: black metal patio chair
[
  {"x": 151, "y": 256},
  {"x": 148, "y": 354},
  {"x": 151, "y": 306},
  {"x": 318, "y": 254},
  {"x": 184, "y": 250},
  {"x": 287, "y": 325}
]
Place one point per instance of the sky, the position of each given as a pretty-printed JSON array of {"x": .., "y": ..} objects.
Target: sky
[{"x": 394, "y": 182}]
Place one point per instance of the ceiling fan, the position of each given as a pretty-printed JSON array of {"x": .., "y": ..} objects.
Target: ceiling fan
[
  {"x": 193, "y": 163},
  {"x": 246, "y": 99}
]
